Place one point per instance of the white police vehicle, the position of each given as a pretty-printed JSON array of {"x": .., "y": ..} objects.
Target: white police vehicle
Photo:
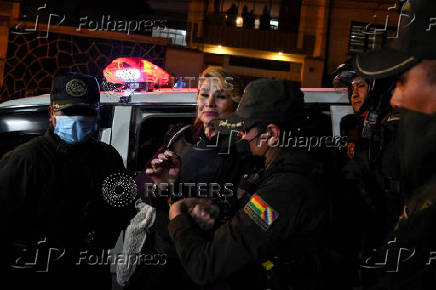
[{"x": 136, "y": 129}]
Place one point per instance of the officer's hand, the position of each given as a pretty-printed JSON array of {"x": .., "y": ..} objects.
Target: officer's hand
[
  {"x": 183, "y": 206},
  {"x": 204, "y": 216},
  {"x": 165, "y": 168},
  {"x": 201, "y": 210}
]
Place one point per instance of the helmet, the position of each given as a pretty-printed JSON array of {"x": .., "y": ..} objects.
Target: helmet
[{"x": 343, "y": 75}]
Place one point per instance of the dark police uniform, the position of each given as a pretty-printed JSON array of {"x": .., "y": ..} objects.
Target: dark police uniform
[
  {"x": 279, "y": 238},
  {"x": 371, "y": 202},
  {"x": 410, "y": 249},
  {"x": 409, "y": 253},
  {"x": 285, "y": 218},
  {"x": 407, "y": 260},
  {"x": 60, "y": 211},
  {"x": 373, "y": 175}
]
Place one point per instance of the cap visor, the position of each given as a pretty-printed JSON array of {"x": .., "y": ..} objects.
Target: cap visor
[
  {"x": 381, "y": 63},
  {"x": 78, "y": 106}
]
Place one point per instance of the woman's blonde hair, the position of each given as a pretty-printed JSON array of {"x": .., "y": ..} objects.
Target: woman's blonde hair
[{"x": 228, "y": 81}]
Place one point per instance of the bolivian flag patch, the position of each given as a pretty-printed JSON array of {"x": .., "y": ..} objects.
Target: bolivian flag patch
[{"x": 260, "y": 212}]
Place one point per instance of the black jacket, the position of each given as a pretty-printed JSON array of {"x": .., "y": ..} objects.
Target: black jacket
[
  {"x": 287, "y": 217},
  {"x": 201, "y": 163},
  {"x": 51, "y": 197},
  {"x": 409, "y": 254}
]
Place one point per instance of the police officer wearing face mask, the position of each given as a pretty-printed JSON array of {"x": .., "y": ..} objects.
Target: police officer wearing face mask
[
  {"x": 60, "y": 209},
  {"x": 278, "y": 240},
  {"x": 412, "y": 59}
]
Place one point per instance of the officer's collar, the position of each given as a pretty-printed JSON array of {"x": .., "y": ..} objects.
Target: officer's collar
[{"x": 291, "y": 160}]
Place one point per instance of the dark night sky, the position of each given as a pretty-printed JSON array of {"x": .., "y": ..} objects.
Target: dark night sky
[{"x": 174, "y": 12}]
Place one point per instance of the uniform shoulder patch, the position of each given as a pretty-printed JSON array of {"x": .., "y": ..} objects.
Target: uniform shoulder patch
[{"x": 260, "y": 212}]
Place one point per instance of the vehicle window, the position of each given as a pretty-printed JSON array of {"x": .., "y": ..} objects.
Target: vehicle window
[
  {"x": 106, "y": 116},
  {"x": 9, "y": 141},
  {"x": 24, "y": 119},
  {"x": 151, "y": 136},
  {"x": 19, "y": 125}
]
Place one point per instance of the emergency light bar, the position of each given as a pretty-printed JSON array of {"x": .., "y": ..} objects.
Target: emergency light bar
[{"x": 124, "y": 70}]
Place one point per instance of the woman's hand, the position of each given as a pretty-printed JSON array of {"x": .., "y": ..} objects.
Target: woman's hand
[{"x": 165, "y": 168}]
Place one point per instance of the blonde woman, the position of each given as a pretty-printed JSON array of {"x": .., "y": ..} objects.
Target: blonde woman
[{"x": 208, "y": 169}]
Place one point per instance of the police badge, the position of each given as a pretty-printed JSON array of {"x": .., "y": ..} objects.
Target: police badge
[{"x": 76, "y": 88}]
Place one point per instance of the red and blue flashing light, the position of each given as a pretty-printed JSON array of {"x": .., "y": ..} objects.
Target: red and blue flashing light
[{"x": 125, "y": 70}]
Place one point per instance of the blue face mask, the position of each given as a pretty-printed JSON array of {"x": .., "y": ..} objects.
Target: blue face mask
[{"x": 74, "y": 129}]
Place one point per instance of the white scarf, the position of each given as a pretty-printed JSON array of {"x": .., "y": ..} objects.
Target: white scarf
[{"x": 134, "y": 240}]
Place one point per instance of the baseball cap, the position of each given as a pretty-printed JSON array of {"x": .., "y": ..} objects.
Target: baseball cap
[
  {"x": 266, "y": 100},
  {"x": 416, "y": 41},
  {"x": 75, "y": 90}
]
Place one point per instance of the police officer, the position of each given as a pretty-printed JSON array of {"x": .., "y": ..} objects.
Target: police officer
[
  {"x": 65, "y": 196},
  {"x": 371, "y": 171},
  {"x": 358, "y": 91},
  {"x": 278, "y": 239},
  {"x": 412, "y": 59}
]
